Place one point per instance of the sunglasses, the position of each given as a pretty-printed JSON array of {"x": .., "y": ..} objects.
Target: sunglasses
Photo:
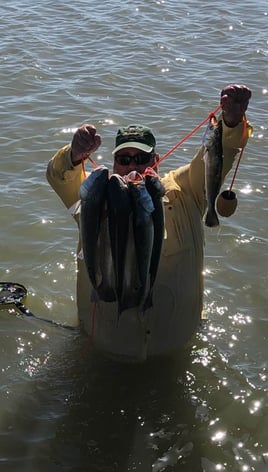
[{"x": 140, "y": 159}]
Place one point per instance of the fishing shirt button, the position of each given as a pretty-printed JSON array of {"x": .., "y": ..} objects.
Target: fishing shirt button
[{"x": 170, "y": 207}]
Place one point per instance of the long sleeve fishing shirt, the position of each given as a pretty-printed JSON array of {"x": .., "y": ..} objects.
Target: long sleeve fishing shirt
[{"x": 178, "y": 290}]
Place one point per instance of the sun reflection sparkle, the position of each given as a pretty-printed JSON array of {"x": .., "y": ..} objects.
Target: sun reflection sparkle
[
  {"x": 69, "y": 130},
  {"x": 243, "y": 239},
  {"x": 60, "y": 266},
  {"x": 45, "y": 221},
  {"x": 219, "y": 436},
  {"x": 212, "y": 422},
  {"x": 255, "y": 407},
  {"x": 240, "y": 319},
  {"x": 247, "y": 189}
]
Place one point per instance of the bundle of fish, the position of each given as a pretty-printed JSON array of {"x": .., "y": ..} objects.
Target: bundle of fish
[
  {"x": 122, "y": 230},
  {"x": 213, "y": 170}
]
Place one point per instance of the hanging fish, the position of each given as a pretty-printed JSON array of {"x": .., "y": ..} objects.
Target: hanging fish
[
  {"x": 106, "y": 288},
  {"x": 213, "y": 170},
  {"x": 119, "y": 209},
  {"x": 143, "y": 230},
  {"x": 157, "y": 190},
  {"x": 92, "y": 194}
]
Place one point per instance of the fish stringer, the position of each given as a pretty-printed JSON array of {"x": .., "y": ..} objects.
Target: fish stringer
[{"x": 227, "y": 200}]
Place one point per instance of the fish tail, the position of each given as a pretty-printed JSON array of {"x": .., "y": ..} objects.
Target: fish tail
[
  {"x": 148, "y": 303},
  {"x": 120, "y": 309},
  {"x": 212, "y": 219},
  {"x": 107, "y": 294}
]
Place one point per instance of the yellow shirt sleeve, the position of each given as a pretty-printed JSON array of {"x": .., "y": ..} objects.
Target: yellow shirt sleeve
[{"x": 63, "y": 177}]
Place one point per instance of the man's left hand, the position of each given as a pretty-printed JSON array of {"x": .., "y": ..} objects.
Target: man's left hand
[{"x": 234, "y": 102}]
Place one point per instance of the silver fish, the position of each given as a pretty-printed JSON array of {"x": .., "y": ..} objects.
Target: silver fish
[
  {"x": 213, "y": 170},
  {"x": 119, "y": 209},
  {"x": 92, "y": 194},
  {"x": 157, "y": 190},
  {"x": 143, "y": 230},
  {"x": 106, "y": 288},
  {"x": 131, "y": 287}
]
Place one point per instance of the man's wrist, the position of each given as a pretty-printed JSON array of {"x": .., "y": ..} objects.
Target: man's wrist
[
  {"x": 79, "y": 158},
  {"x": 76, "y": 163},
  {"x": 76, "y": 160}
]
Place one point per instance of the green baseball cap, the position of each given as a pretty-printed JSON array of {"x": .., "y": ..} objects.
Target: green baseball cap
[{"x": 136, "y": 136}]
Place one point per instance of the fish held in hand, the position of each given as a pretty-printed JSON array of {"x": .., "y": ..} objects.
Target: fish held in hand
[
  {"x": 92, "y": 195},
  {"x": 213, "y": 170},
  {"x": 119, "y": 209},
  {"x": 143, "y": 230},
  {"x": 106, "y": 289},
  {"x": 157, "y": 190}
]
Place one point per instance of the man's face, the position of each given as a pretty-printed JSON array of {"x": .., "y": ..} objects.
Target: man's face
[{"x": 129, "y": 159}]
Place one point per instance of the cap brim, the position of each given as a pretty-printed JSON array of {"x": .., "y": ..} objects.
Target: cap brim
[{"x": 133, "y": 144}]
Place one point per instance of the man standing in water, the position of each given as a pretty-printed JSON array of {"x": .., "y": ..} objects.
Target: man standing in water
[{"x": 178, "y": 290}]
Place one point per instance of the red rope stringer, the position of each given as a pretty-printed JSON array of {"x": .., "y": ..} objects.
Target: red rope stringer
[
  {"x": 208, "y": 118},
  {"x": 244, "y": 139},
  {"x": 83, "y": 165}
]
